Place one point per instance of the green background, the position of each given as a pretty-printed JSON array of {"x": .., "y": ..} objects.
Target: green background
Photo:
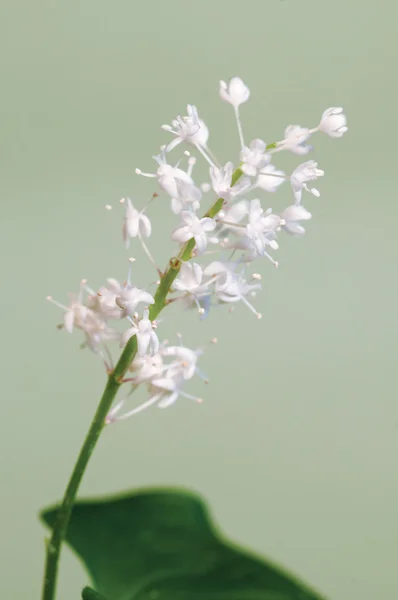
[{"x": 296, "y": 444}]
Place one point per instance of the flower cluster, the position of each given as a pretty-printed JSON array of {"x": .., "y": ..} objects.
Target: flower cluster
[{"x": 226, "y": 217}]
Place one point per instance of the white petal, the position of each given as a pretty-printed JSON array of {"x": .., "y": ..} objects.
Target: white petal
[
  {"x": 126, "y": 335},
  {"x": 208, "y": 224},
  {"x": 69, "y": 320},
  {"x": 145, "y": 226},
  {"x": 182, "y": 234},
  {"x": 201, "y": 242},
  {"x": 143, "y": 340},
  {"x": 168, "y": 400},
  {"x": 296, "y": 212}
]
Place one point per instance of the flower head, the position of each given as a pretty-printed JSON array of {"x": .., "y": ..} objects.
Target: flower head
[
  {"x": 221, "y": 180},
  {"x": 192, "y": 227},
  {"x": 136, "y": 223},
  {"x": 333, "y": 122},
  {"x": 254, "y": 158},
  {"x": 144, "y": 330},
  {"x": 295, "y": 138},
  {"x": 291, "y": 217},
  {"x": 234, "y": 92},
  {"x": 307, "y": 171},
  {"x": 190, "y": 129}
]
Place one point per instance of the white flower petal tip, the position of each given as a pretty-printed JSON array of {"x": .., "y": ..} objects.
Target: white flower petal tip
[
  {"x": 234, "y": 92},
  {"x": 333, "y": 122}
]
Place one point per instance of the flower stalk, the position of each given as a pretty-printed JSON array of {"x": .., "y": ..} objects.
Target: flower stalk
[{"x": 115, "y": 380}]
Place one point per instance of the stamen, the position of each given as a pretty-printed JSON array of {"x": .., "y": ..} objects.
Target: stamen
[
  {"x": 203, "y": 153},
  {"x": 140, "y": 408},
  {"x": 149, "y": 255},
  {"x": 251, "y": 307},
  {"x": 239, "y": 124},
  {"x": 51, "y": 299},
  {"x": 139, "y": 172}
]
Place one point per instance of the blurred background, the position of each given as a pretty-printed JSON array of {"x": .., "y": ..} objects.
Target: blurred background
[{"x": 296, "y": 444}]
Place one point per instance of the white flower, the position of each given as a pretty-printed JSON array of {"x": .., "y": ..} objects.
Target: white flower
[
  {"x": 189, "y": 196},
  {"x": 126, "y": 296},
  {"x": 97, "y": 332},
  {"x": 333, "y": 122},
  {"x": 307, "y": 171},
  {"x": 168, "y": 176},
  {"x": 295, "y": 136},
  {"x": 221, "y": 180},
  {"x": 189, "y": 278},
  {"x": 135, "y": 223},
  {"x": 104, "y": 301},
  {"x": 146, "y": 368},
  {"x": 185, "y": 358},
  {"x": 230, "y": 286},
  {"x": 290, "y": 217},
  {"x": 269, "y": 178},
  {"x": 77, "y": 313},
  {"x": 92, "y": 323},
  {"x": 143, "y": 329},
  {"x": 192, "y": 227},
  {"x": 190, "y": 282},
  {"x": 254, "y": 158},
  {"x": 190, "y": 129},
  {"x": 167, "y": 389},
  {"x": 234, "y": 92},
  {"x": 259, "y": 233}
]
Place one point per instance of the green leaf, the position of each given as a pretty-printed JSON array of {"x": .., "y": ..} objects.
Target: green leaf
[
  {"x": 89, "y": 594},
  {"x": 161, "y": 545}
]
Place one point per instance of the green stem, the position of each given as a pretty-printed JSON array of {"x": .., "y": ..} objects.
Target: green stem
[
  {"x": 114, "y": 382},
  {"x": 97, "y": 425}
]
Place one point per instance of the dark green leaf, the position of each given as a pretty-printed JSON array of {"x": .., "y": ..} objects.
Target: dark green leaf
[
  {"x": 89, "y": 594},
  {"x": 161, "y": 545}
]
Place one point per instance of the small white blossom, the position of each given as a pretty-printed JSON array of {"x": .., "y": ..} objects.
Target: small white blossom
[
  {"x": 259, "y": 233},
  {"x": 192, "y": 227},
  {"x": 291, "y": 217},
  {"x": 167, "y": 389},
  {"x": 234, "y": 214},
  {"x": 184, "y": 358},
  {"x": 189, "y": 278},
  {"x": 135, "y": 223},
  {"x": 333, "y": 122},
  {"x": 97, "y": 332},
  {"x": 234, "y": 92},
  {"x": 168, "y": 176},
  {"x": 221, "y": 180},
  {"x": 189, "y": 196},
  {"x": 104, "y": 301},
  {"x": 143, "y": 329},
  {"x": 307, "y": 171},
  {"x": 254, "y": 158},
  {"x": 190, "y": 282},
  {"x": 126, "y": 296},
  {"x": 230, "y": 286},
  {"x": 295, "y": 138},
  {"x": 146, "y": 368},
  {"x": 269, "y": 178},
  {"x": 92, "y": 323},
  {"x": 190, "y": 129},
  {"x": 76, "y": 314}
]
